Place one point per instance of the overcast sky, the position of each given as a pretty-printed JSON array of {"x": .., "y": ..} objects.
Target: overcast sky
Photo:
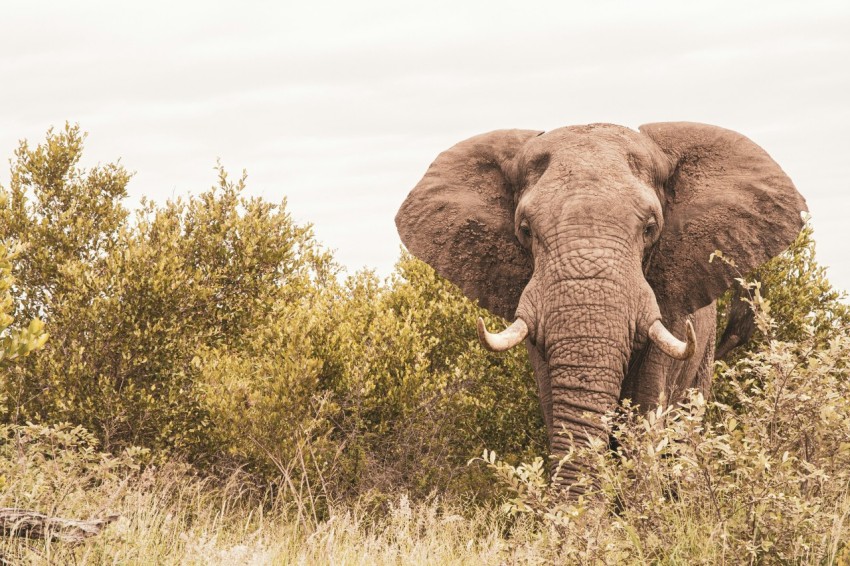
[{"x": 342, "y": 106}]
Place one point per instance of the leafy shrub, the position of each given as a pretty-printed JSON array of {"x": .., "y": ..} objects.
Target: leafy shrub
[
  {"x": 417, "y": 394},
  {"x": 795, "y": 292},
  {"x": 131, "y": 304},
  {"x": 377, "y": 387},
  {"x": 218, "y": 330},
  {"x": 15, "y": 343}
]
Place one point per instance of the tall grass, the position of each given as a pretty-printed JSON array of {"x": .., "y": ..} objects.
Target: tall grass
[{"x": 170, "y": 516}]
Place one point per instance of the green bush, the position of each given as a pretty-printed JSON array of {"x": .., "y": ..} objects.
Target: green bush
[
  {"x": 377, "y": 387},
  {"x": 218, "y": 330},
  {"x": 131, "y": 303},
  {"x": 797, "y": 295},
  {"x": 417, "y": 393},
  {"x": 15, "y": 343}
]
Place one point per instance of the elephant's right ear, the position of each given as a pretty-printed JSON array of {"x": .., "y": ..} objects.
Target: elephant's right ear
[{"x": 460, "y": 219}]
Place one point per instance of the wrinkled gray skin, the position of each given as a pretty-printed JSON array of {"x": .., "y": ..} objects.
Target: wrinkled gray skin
[{"x": 591, "y": 233}]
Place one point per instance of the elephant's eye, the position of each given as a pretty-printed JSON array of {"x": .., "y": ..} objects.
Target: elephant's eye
[
  {"x": 650, "y": 229},
  {"x": 525, "y": 229}
]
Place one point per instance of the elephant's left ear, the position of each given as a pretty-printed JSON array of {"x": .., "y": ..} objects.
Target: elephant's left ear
[{"x": 724, "y": 193}]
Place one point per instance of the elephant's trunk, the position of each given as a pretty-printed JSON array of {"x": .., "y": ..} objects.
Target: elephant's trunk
[
  {"x": 588, "y": 338},
  {"x": 582, "y": 390}
]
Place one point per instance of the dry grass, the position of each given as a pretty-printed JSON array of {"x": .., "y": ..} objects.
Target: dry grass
[{"x": 169, "y": 516}]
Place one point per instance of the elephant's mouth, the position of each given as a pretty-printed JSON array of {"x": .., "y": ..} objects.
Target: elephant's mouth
[{"x": 657, "y": 332}]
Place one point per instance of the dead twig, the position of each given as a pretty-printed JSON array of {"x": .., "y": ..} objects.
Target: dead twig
[{"x": 33, "y": 525}]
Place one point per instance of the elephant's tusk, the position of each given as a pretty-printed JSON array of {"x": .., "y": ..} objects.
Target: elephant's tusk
[
  {"x": 671, "y": 345},
  {"x": 504, "y": 340}
]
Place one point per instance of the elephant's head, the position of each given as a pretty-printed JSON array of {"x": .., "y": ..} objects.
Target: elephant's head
[{"x": 589, "y": 236}]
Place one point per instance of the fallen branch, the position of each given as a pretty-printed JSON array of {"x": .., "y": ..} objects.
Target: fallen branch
[{"x": 29, "y": 524}]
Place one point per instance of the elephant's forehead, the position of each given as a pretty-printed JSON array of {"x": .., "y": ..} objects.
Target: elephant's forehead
[
  {"x": 605, "y": 157},
  {"x": 599, "y": 171},
  {"x": 590, "y": 145},
  {"x": 589, "y": 199}
]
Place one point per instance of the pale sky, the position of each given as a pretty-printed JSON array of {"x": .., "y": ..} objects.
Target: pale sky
[{"x": 342, "y": 106}]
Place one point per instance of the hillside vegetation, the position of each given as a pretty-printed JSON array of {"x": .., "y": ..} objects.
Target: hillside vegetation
[{"x": 204, "y": 369}]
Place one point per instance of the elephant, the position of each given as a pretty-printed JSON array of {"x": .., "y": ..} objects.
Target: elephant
[{"x": 595, "y": 241}]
